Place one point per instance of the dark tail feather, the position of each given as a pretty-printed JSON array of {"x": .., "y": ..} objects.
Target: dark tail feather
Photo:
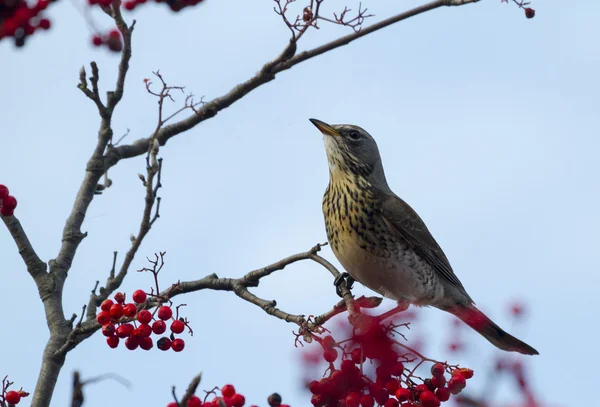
[{"x": 477, "y": 320}]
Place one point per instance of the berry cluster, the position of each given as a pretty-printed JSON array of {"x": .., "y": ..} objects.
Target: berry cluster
[
  {"x": 228, "y": 396},
  {"x": 19, "y": 20},
  {"x": 135, "y": 324},
  {"x": 372, "y": 344},
  {"x": 10, "y": 397},
  {"x": 8, "y": 203}
]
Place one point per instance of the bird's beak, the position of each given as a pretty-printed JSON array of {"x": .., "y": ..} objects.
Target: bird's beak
[{"x": 325, "y": 128}]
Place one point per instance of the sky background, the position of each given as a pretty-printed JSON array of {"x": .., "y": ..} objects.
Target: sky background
[{"x": 488, "y": 125}]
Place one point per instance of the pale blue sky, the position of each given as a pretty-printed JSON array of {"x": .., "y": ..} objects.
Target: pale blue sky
[{"x": 488, "y": 125}]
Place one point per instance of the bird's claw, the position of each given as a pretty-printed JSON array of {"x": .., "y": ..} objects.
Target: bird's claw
[{"x": 343, "y": 278}]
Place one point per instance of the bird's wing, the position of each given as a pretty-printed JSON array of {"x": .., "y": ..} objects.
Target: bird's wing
[{"x": 403, "y": 219}]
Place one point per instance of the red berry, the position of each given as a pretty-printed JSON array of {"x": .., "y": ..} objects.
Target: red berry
[
  {"x": 317, "y": 400},
  {"x": 164, "y": 343},
  {"x": 116, "y": 311},
  {"x": 314, "y": 387},
  {"x": 443, "y": 394},
  {"x": 10, "y": 202},
  {"x": 144, "y": 317},
  {"x": 228, "y": 390},
  {"x": 106, "y": 304},
  {"x": 142, "y": 331},
  {"x": 237, "y": 400},
  {"x": 428, "y": 399},
  {"x": 437, "y": 369},
  {"x": 466, "y": 373},
  {"x": 330, "y": 355},
  {"x": 12, "y": 397},
  {"x": 177, "y": 326},
  {"x": 131, "y": 343},
  {"x": 103, "y": 317},
  {"x": 6, "y": 212},
  {"x": 529, "y": 12},
  {"x": 114, "y": 33},
  {"x": 421, "y": 388},
  {"x": 397, "y": 369},
  {"x": 177, "y": 345},
  {"x": 159, "y": 327},
  {"x": 130, "y": 5},
  {"x": 438, "y": 381},
  {"x": 328, "y": 341},
  {"x": 97, "y": 40},
  {"x": 403, "y": 394},
  {"x": 146, "y": 343},
  {"x": 113, "y": 341},
  {"x": 357, "y": 356},
  {"x": 120, "y": 298},
  {"x": 353, "y": 399},
  {"x": 108, "y": 330},
  {"x": 45, "y": 23},
  {"x": 194, "y": 401},
  {"x": 125, "y": 330},
  {"x": 129, "y": 310},
  {"x": 367, "y": 400},
  {"x": 3, "y": 193},
  {"x": 391, "y": 403},
  {"x": 379, "y": 393},
  {"x": 456, "y": 383},
  {"x": 392, "y": 385},
  {"x": 139, "y": 296},
  {"x": 165, "y": 312},
  {"x": 347, "y": 366}
]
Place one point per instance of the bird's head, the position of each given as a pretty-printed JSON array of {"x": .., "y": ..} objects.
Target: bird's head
[{"x": 351, "y": 151}]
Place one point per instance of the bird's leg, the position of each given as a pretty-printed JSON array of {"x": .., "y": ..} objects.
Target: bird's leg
[
  {"x": 401, "y": 307},
  {"x": 343, "y": 278}
]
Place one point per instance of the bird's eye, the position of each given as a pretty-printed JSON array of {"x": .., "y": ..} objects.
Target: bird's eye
[{"x": 354, "y": 135}]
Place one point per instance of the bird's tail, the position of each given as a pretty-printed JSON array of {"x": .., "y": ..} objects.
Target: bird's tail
[{"x": 477, "y": 320}]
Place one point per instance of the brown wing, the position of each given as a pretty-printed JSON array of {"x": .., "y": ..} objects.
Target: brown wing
[{"x": 402, "y": 218}]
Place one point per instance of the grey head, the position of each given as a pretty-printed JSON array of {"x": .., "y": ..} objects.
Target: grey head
[{"x": 351, "y": 151}]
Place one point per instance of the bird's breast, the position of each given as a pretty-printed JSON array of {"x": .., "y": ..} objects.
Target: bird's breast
[{"x": 367, "y": 249}]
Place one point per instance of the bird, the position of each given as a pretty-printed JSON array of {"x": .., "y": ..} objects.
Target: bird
[{"x": 382, "y": 242}]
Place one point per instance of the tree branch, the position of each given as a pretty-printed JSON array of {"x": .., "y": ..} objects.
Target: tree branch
[
  {"x": 265, "y": 75},
  {"x": 35, "y": 266}
]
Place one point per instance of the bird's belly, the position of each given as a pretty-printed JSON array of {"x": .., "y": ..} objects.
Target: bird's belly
[{"x": 399, "y": 275}]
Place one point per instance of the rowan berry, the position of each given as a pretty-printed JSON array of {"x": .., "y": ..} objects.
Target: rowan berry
[
  {"x": 437, "y": 369},
  {"x": 116, "y": 311},
  {"x": 12, "y": 397},
  {"x": 106, "y": 304},
  {"x": 529, "y": 12},
  {"x": 367, "y": 400},
  {"x": 428, "y": 399},
  {"x": 443, "y": 394},
  {"x": 146, "y": 343},
  {"x": 456, "y": 383},
  {"x": 358, "y": 356},
  {"x": 144, "y": 316},
  {"x": 139, "y": 296},
  {"x": 330, "y": 355},
  {"x": 159, "y": 327},
  {"x": 112, "y": 341},
  {"x": 163, "y": 343},
  {"x": 228, "y": 390},
  {"x": 353, "y": 399},
  {"x": 397, "y": 369},
  {"x": 108, "y": 330},
  {"x": 165, "y": 312},
  {"x": 237, "y": 400},
  {"x": 131, "y": 343},
  {"x": 120, "y": 298},
  {"x": 3, "y": 192},
  {"x": 129, "y": 310},
  {"x": 177, "y": 345},
  {"x": 9, "y": 202},
  {"x": 403, "y": 394},
  {"x": 194, "y": 401},
  {"x": 125, "y": 330},
  {"x": 103, "y": 317},
  {"x": 177, "y": 326}
]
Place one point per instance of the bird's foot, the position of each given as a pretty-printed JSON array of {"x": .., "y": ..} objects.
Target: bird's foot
[{"x": 343, "y": 278}]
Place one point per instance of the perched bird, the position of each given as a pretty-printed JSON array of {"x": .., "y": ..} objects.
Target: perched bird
[{"x": 382, "y": 242}]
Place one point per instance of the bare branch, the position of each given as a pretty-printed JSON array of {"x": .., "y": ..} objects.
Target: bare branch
[
  {"x": 265, "y": 75},
  {"x": 35, "y": 266}
]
